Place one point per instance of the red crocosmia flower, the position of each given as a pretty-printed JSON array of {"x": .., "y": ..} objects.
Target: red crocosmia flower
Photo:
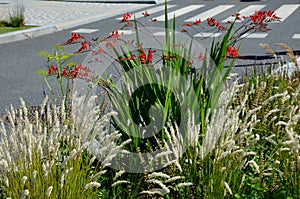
[
  {"x": 74, "y": 39},
  {"x": 132, "y": 57},
  {"x": 52, "y": 70},
  {"x": 126, "y": 17},
  {"x": 150, "y": 55},
  {"x": 232, "y": 52},
  {"x": 218, "y": 25},
  {"x": 236, "y": 16},
  {"x": 143, "y": 57},
  {"x": 128, "y": 24},
  {"x": 201, "y": 56},
  {"x": 100, "y": 51},
  {"x": 211, "y": 21},
  {"x": 197, "y": 22},
  {"x": 184, "y": 30},
  {"x": 263, "y": 16},
  {"x": 96, "y": 52},
  {"x": 188, "y": 24},
  {"x": 65, "y": 72},
  {"x": 145, "y": 13},
  {"x": 256, "y": 18},
  {"x": 115, "y": 34},
  {"x": 271, "y": 14},
  {"x": 85, "y": 46}
]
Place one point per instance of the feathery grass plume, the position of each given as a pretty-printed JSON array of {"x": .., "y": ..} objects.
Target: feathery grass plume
[
  {"x": 269, "y": 49},
  {"x": 290, "y": 54},
  {"x": 185, "y": 184},
  {"x": 223, "y": 124},
  {"x": 227, "y": 188},
  {"x": 158, "y": 174},
  {"x": 153, "y": 192},
  {"x": 91, "y": 185},
  {"x": 49, "y": 191},
  {"x": 120, "y": 182},
  {"x": 25, "y": 194},
  {"x": 175, "y": 145},
  {"x": 53, "y": 150},
  {"x": 161, "y": 184}
]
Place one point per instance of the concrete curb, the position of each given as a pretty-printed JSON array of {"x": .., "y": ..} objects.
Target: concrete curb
[{"x": 26, "y": 34}]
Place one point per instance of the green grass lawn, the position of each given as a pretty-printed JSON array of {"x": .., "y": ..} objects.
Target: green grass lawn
[{"x": 11, "y": 29}]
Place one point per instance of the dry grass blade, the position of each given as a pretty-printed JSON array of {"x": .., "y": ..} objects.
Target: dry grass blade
[
  {"x": 290, "y": 53},
  {"x": 269, "y": 49}
]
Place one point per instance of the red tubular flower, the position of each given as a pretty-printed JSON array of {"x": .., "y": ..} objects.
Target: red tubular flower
[
  {"x": 96, "y": 52},
  {"x": 211, "y": 21},
  {"x": 264, "y": 16},
  {"x": 188, "y": 24},
  {"x": 184, "y": 30},
  {"x": 145, "y": 13},
  {"x": 115, "y": 34},
  {"x": 232, "y": 52},
  {"x": 218, "y": 25},
  {"x": 85, "y": 46},
  {"x": 201, "y": 56},
  {"x": 65, "y": 72},
  {"x": 74, "y": 39},
  {"x": 236, "y": 16},
  {"x": 197, "y": 22},
  {"x": 52, "y": 70},
  {"x": 128, "y": 24},
  {"x": 271, "y": 16},
  {"x": 126, "y": 17},
  {"x": 258, "y": 17},
  {"x": 143, "y": 57},
  {"x": 150, "y": 55}
]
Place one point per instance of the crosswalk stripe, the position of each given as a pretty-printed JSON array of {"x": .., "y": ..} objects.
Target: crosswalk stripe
[
  {"x": 250, "y": 10},
  {"x": 251, "y": 36},
  {"x": 207, "y": 34},
  {"x": 85, "y": 30},
  {"x": 211, "y": 12},
  {"x": 296, "y": 36},
  {"x": 179, "y": 12},
  {"x": 126, "y": 32},
  {"x": 285, "y": 11},
  {"x": 151, "y": 11},
  {"x": 255, "y": 35}
]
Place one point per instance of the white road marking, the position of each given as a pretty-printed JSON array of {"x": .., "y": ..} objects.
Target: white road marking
[
  {"x": 126, "y": 32},
  {"x": 162, "y": 33},
  {"x": 255, "y": 35},
  {"x": 285, "y": 11},
  {"x": 207, "y": 34},
  {"x": 211, "y": 12},
  {"x": 85, "y": 30},
  {"x": 250, "y": 10},
  {"x": 296, "y": 36},
  {"x": 179, "y": 12},
  {"x": 151, "y": 11}
]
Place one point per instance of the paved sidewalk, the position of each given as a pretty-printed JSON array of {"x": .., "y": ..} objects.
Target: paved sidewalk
[{"x": 51, "y": 16}]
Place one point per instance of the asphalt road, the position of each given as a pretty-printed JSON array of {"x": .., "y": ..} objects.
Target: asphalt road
[{"x": 20, "y": 61}]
